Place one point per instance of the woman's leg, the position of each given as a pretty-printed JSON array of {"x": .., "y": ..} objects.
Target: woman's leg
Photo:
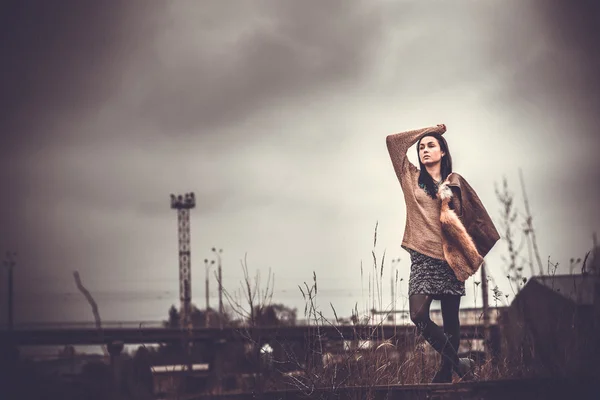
[
  {"x": 419, "y": 314},
  {"x": 450, "y": 307}
]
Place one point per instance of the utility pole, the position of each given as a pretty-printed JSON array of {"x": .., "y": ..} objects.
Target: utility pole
[
  {"x": 206, "y": 289},
  {"x": 10, "y": 263},
  {"x": 218, "y": 253}
]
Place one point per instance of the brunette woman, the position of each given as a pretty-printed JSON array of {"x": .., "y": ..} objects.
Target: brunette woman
[{"x": 432, "y": 242}]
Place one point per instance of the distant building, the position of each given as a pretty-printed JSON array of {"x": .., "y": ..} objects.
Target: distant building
[{"x": 552, "y": 327}]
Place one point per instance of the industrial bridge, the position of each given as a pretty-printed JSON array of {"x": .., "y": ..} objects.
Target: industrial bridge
[{"x": 71, "y": 334}]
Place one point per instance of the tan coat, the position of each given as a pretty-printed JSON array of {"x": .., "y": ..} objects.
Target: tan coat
[
  {"x": 463, "y": 236},
  {"x": 468, "y": 232}
]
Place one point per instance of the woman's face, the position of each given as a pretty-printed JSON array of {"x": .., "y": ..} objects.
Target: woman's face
[{"x": 430, "y": 152}]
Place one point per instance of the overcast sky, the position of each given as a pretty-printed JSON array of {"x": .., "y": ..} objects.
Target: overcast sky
[{"x": 275, "y": 114}]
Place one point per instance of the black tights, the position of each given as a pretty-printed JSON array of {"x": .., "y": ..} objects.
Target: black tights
[{"x": 444, "y": 341}]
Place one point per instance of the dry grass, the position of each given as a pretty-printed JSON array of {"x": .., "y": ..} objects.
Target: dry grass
[
  {"x": 373, "y": 360},
  {"x": 367, "y": 361}
]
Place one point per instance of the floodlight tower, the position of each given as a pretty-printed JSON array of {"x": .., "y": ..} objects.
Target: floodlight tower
[{"x": 183, "y": 205}]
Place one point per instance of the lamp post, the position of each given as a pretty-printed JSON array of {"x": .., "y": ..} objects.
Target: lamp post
[
  {"x": 218, "y": 254},
  {"x": 206, "y": 288}
]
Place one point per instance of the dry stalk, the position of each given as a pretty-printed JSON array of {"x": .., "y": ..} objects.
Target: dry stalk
[
  {"x": 514, "y": 270},
  {"x": 365, "y": 361},
  {"x": 529, "y": 231},
  {"x": 94, "y": 306}
]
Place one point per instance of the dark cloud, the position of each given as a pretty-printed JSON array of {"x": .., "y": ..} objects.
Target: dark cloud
[
  {"x": 575, "y": 27},
  {"x": 186, "y": 66},
  {"x": 547, "y": 55},
  {"x": 291, "y": 50},
  {"x": 552, "y": 53},
  {"x": 58, "y": 65},
  {"x": 178, "y": 68},
  {"x": 59, "y": 60}
]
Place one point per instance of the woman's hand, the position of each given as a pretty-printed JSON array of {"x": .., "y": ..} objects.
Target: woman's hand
[{"x": 442, "y": 128}]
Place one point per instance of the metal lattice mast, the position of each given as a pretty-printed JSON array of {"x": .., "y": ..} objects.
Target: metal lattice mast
[{"x": 183, "y": 205}]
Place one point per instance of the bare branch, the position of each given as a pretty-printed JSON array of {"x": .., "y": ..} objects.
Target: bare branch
[
  {"x": 508, "y": 214},
  {"x": 93, "y": 304},
  {"x": 529, "y": 221}
]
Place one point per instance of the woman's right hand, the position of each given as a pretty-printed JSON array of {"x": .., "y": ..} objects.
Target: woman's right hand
[{"x": 442, "y": 127}]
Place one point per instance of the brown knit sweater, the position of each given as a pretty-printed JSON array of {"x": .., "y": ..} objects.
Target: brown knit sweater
[{"x": 423, "y": 231}]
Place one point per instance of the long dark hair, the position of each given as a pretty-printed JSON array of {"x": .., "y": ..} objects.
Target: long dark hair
[{"x": 425, "y": 180}]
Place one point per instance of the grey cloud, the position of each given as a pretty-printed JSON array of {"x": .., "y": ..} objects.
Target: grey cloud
[
  {"x": 291, "y": 49},
  {"x": 554, "y": 83},
  {"x": 59, "y": 59},
  {"x": 188, "y": 67},
  {"x": 552, "y": 61}
]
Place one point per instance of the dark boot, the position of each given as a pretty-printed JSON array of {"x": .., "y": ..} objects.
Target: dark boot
[
  {"x": 443, "y": 375},
  {"x": 464, "y": 369}
]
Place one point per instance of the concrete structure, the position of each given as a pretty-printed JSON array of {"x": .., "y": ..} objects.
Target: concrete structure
[{"x": 551, "y": 328}]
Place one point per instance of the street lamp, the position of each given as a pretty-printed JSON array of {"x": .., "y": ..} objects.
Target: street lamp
[
  {"x": 206, "y": 285},
  {"x": 218, "y": 254}
]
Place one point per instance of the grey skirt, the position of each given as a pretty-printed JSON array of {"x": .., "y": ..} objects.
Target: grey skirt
[{"x": 432, "y": 276}]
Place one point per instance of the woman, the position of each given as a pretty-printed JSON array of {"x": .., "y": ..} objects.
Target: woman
[{"x": 431, "y": 243}]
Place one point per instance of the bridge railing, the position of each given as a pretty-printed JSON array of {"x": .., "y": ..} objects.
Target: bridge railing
[
  {"x": 160, "y": 324},
  {"x": 84, "y": 325}
]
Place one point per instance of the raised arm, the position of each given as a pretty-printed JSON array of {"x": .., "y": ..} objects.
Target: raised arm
[{"x": 399, "y": 143}]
